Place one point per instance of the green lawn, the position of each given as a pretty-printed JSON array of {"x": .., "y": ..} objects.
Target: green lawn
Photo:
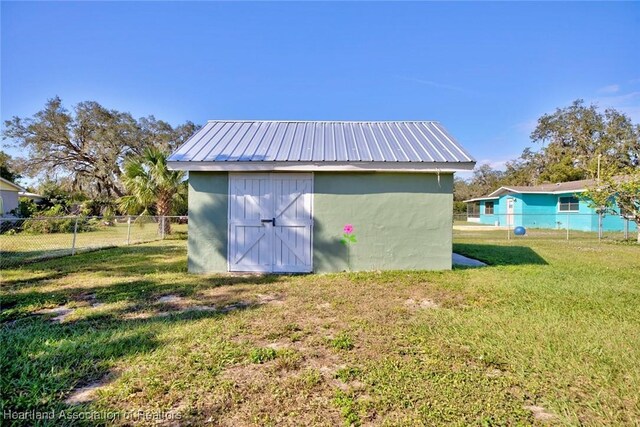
[
  {"x": 547, "y": 325},
  {"x": 25, "y": 247},
  {"x": 462, "y": 231}
]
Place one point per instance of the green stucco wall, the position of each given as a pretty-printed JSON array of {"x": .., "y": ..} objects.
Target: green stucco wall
[
  {"x": 401, "y": 221},
  {"x": 208, "y": 211}
]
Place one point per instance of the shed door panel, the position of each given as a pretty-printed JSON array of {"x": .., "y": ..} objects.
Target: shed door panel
[
  {"x": 257, "y": 244},
  {"x": 292, "y": 231},
  {"x": 250, "y": 241}
]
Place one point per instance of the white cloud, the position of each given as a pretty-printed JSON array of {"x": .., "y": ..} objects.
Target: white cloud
[
  {"x": 433, "y": 84},
  {"x": 495, "y": 164},
  {"x": 628, "y": 103},
  {"x": 527, "y": 126},
  {"x": 615, "y": 88}
]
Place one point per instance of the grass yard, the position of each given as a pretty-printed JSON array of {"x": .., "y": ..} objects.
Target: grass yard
[
  {"x": 24, "y": 247},
  {"x": 485, "y": 232},
  {"x": 549, "y": 333}
]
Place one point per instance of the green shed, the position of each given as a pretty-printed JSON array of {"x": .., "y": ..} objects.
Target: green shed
[{"x": 276, "y": 196}]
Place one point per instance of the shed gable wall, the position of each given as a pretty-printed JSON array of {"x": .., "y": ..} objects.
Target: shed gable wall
[
  {"x": 208, "y": 219},
  {"x": 401, "y": 221}
]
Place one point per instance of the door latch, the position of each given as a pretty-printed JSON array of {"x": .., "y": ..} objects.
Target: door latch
[{"x": 272, "y": 221}]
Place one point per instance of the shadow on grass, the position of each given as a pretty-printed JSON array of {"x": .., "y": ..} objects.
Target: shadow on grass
[
  {"x": 11, "y": 259},
  {"x": 145, "y": 272},
  {"x": 499, "y": 254},
  {"x": 125, "y": 260},
  {"x": 43, "y": 361}
]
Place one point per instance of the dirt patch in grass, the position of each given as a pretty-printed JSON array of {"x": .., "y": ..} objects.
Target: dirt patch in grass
[
  {"x": 218, "y": 300},
  {"x": 270, "y": 299},
  {"x": 421, "y": 304},
  {"x": 139, "y": 315},
  {"x": 61, "y": 313},
  {"x": 279, "y": 395},
  {"x": 540, "y": 413},
  {"x": 89, "y": 392},
  {"x": 171, "y": 299}
]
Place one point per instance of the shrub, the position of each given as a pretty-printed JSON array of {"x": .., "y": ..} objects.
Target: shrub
[
  {"x": 9, "y": 228},
  {"x": 52, "y": 221},
  {"x": 26, "y": 208}
]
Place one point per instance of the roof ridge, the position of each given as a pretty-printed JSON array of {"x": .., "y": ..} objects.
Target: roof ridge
[{"x": 319, "y": 121}]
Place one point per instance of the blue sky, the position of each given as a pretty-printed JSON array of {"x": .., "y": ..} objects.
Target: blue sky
[{"x": 487, "y": 71}]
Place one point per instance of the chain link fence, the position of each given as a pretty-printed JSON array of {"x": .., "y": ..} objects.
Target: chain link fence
[
  {"x": 561, "y": 226},
  {"x": 25, "y": 240}
]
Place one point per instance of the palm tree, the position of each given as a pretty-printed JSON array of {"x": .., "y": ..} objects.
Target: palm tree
[{"x": 151, "y": 187}]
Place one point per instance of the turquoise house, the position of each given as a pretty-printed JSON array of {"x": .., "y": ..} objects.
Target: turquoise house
[{"x": 552, "y": 206}]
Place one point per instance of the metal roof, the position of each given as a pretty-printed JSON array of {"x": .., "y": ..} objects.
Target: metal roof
[
  {"x": 318, "y": 142},
  {"x": 549, "y": 188}
]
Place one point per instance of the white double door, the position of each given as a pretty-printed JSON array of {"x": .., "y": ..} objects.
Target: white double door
[{"x": 270, "y": 222}]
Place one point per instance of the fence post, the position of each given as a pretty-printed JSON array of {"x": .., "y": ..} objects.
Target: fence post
[
  {"x": 567, "y": 226},
  {"x": 599, "y": 226},
  {"x": 626, "y": 228},
  {"x": 128, "y": 230},
  {"x": 75, "y": 233}
]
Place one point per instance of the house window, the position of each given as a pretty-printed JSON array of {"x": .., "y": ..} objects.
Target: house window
[
  {"x": 568, "y": 204},
  {"x": 473, "y": 210},
  {"x": 488, "y": 208}
]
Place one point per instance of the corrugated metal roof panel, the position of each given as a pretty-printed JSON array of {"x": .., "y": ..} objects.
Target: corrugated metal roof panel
[{"x": 322, "y": 141}]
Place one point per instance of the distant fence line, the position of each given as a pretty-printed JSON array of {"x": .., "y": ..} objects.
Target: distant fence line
[
  {"x": 25, "y": 240},
  {"x": 556, "y": 226}
]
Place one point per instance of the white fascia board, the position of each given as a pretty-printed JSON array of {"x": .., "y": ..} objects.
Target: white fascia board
[
  {"x": 552, "y": 192},
  {"x": 580, "y": 190},
  {"x": 433, "y": 167},
  {"x": 477, "y": 199},
  {"x": 498, "y": 191}
]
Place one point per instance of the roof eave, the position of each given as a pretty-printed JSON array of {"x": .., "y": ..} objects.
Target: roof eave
[
  {"x": 478, "y": 199},
  {"x": 12, "y": 184},
  {"x": 257, "y": 166}
]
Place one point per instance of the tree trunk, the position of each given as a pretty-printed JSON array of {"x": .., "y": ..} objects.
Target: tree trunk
[{"x": 163, "y": 206}]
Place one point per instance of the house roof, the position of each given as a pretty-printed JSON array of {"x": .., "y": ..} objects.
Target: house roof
[
  {"x": 5, "y": 184},
  {"x": 558, "y": 188},
  {"x": 561, "y": 187},
  {"x": 340, "y": 145},
  {"x": 30, "y": 195}
]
